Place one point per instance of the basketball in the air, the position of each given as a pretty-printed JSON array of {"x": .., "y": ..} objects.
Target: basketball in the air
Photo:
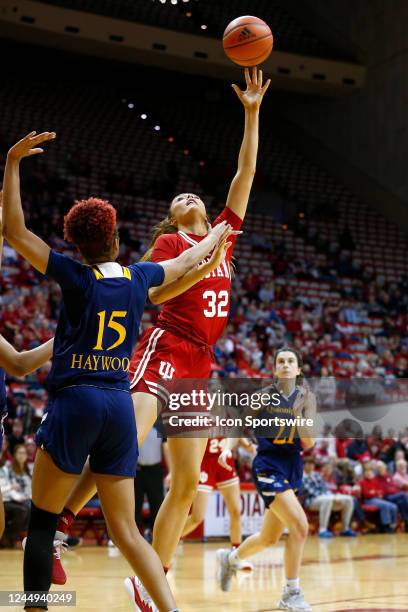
[{"x": 247, "y": 41}]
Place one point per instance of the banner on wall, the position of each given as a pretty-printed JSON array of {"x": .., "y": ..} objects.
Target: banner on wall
[{"x": 216, "y": 521}]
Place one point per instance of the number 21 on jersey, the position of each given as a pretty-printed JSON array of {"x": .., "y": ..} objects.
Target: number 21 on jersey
[{"x": 217, "y": 303}]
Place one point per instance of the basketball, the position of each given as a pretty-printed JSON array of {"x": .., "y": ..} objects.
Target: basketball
[{"x": 247, "y": 41}]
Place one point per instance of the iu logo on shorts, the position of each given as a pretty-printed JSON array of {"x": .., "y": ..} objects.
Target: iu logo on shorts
[{"x": 166, "y": 370}]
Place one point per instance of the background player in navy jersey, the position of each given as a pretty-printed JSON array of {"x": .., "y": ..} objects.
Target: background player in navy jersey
[
  {"x": 90, "y": 410},
  {"x": 277, "y": 472},
  {"x": 16, "y": 364}
]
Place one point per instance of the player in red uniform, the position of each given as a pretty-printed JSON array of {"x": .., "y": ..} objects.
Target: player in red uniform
[
  {"x": 179, "y": 345},
  {"x": 213, "y": 475}
]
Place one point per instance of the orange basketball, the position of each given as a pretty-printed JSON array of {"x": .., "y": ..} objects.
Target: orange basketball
[{"x": 247, "y": 41}]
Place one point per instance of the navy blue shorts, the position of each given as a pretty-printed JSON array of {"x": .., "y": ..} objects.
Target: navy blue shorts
[
  {"x": 273, "y": 475},
  {"x": 84, "y": 421}
]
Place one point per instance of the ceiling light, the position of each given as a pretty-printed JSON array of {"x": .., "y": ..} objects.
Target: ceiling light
[
  {"x": 157, "y": 128},
  {"x": 203, "y": 27},
  {"x": 143, "y": 116}
]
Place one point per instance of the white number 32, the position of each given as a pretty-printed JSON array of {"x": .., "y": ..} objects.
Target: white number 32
[{"x": 217, "y": 304}]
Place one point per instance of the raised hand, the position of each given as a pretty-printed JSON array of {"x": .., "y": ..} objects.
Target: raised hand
[
  {"x": 251, "y": 98},
  {"x": 219, "y": 253},
  {"x": 28, "y": 145}
]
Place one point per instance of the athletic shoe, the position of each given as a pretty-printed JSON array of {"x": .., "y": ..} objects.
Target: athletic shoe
[
  {"x": 58, "y": 573},
  {"x": 226, "y": 570},
  {"x": 348, "y": 533},
  {"x": 244, "y": 565},
  {"x": 72, "y": 542},
  {"x": 325, "y": 534},
  {"x": 142, "y": 602},
  {"x": 294, "y": 601}
]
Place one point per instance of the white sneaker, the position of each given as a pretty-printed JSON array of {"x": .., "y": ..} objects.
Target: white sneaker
[
  {"x": 244, "y": 565},
  {"x": 226, "y": 570},
  {"x": 140, "y": 598},
  {"x": 294, "y": 601}
]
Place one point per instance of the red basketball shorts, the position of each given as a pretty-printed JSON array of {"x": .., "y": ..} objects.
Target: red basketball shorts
[
  {"x": 213, "y": 475},
  {"x": 160, "y": 357}
]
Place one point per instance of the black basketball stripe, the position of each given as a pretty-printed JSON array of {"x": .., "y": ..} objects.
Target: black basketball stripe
[
  {"x": 249, "y": 42},
  {"x": 243, "y": 25}
]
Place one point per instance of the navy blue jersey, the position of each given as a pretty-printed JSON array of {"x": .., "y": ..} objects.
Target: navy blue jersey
[
  {"x": 280, "y": 440},
  {"x": 99, "y": 320},
  {"x": 3, "y": 394}
]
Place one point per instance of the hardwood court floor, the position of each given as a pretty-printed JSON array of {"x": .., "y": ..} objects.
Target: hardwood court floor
[{"x": 366, "y": 573}]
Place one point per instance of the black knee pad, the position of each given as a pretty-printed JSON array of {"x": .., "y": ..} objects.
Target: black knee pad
[{"x": 38, "y": 555}]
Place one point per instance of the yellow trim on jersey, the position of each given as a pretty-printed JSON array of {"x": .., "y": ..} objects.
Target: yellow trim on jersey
[
  {"x": 126, "y": 273},
  {"x": 98, "y": 275}
]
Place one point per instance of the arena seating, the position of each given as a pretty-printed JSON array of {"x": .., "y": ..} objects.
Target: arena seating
[{"x": 289, "y": 33}]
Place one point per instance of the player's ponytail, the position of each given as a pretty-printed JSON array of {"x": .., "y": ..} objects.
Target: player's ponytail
[{"x": 166, "y": 226}]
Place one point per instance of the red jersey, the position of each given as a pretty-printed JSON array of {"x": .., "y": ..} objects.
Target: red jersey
[
  {"x": 215, "y": 446},
  {"x": 200, "y": 314}
]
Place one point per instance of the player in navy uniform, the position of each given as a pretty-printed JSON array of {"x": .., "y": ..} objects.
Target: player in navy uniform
[
  {"x": 277, "y": 472},
  {"x": 90, "y": 410},
  {"x": 17, "y": 364}
]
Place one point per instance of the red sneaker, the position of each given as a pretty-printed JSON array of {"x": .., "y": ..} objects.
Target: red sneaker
[
  {"x": 142, "y": 602},
  {"x": 58, "y": 573}
]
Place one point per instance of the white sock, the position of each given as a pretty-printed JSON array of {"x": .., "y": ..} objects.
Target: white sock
[
  {"x": 292, "y": 584},
  {"x": 234, "y": 558}
]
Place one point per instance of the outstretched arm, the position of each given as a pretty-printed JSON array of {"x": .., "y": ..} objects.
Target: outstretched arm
[
  {"x": 158, "y": 295},
  {"x": 30, "y": 246},
  {"x": 251, "y": 98},
  {"x": 188, "y": 260},
  {"x": 19, "y": 364}
]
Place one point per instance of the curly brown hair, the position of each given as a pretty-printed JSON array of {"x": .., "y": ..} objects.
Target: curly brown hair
[{"x": 91, "y": 226}]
